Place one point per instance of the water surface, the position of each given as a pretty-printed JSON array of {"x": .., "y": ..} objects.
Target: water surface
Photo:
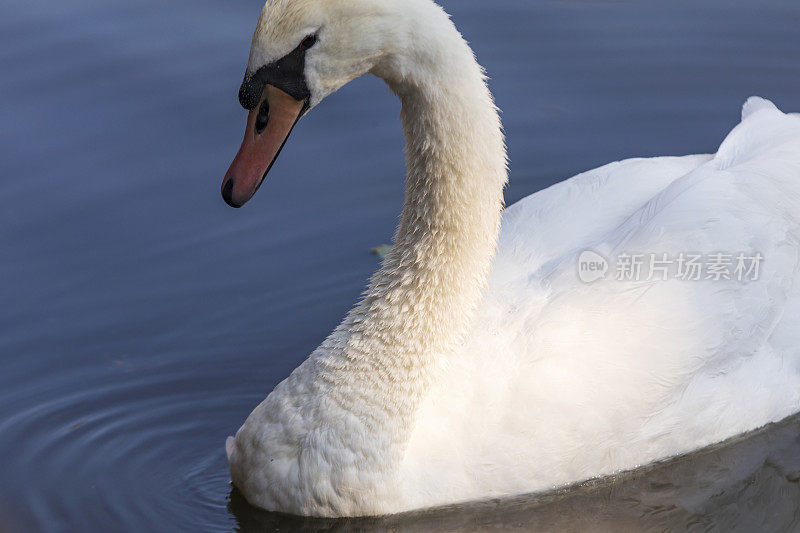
[{"x": 143, "y": 319}]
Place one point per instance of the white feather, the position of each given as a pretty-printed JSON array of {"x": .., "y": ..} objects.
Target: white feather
[{"x": 441, "y": 387}]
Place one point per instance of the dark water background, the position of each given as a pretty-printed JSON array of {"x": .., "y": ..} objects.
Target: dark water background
[{"x": 142, "y": 319}]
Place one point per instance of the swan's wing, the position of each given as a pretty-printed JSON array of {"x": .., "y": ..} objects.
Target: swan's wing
[
  {"x": 562, "y": 380},
  {"x": 576, "y": 213}
]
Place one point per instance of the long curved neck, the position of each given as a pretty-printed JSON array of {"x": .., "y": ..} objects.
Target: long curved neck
[
  {"x": 431, "y": 281},
  {"x": 419, "y": 303}
]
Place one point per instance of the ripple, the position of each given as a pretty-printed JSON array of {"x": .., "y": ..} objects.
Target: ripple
[{"x": 140, "y": 451}]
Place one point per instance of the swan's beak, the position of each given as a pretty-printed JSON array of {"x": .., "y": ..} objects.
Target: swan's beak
[{"x": 268, "y": 126}]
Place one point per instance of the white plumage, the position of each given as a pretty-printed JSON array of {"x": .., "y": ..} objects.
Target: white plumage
[{"x": 441, "y": 387}]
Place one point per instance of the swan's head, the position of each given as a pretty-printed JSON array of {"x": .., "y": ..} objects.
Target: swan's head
[{"x": 302, "y": 51}]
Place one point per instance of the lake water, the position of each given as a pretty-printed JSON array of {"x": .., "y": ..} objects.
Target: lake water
[{"x": 142, "y": 319}]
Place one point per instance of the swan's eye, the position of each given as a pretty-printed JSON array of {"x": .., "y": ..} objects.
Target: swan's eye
[{"x": 308, "y": 42}]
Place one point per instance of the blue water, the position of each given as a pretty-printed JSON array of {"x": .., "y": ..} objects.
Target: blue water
[{"x": 142, "y": 319}]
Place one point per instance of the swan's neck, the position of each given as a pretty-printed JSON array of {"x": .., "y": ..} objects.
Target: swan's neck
[{"x": 417, "y": 307}]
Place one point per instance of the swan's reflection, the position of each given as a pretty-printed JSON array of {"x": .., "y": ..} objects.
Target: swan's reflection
[{"x": 751, "y": 483}]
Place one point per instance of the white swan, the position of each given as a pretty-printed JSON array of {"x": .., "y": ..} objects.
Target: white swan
[{"x": 465, "y": 374}]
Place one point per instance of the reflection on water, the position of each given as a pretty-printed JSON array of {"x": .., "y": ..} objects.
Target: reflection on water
[
  {"x": 143, "y": 319},
  {"x": 748, "y": 484}
]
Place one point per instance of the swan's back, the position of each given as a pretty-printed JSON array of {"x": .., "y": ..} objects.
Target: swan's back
[{"x": 562, "y": 380}]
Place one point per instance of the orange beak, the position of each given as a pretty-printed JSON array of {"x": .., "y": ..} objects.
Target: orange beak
[{"x": 268, "y": 126}]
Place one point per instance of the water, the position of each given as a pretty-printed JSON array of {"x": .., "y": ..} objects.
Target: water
[{"x": 143, "y": 319}]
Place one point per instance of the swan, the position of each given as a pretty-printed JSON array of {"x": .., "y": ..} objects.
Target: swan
[{"x": 501, "y": 352}]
